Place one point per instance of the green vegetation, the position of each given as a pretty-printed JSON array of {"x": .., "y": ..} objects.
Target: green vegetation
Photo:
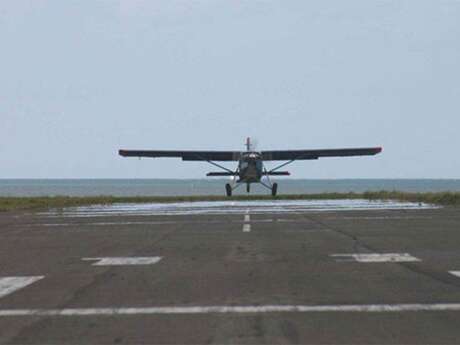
[
  {"x": 33, "y": 203},
  {"x": 441, "y": 198}
]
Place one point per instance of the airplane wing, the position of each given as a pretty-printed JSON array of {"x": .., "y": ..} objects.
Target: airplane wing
[
  {"x": 315, "y": 154},
  {"x": 185, "y": 155}
]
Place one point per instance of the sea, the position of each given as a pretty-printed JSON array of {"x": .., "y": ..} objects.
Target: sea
[{"x": 187, "y": 187}]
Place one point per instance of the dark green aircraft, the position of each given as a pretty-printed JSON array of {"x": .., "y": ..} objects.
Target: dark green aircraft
[{"x": 250, "y": 162}]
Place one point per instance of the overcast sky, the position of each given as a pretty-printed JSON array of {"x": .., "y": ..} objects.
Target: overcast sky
[{"x": 81, "y": 79}]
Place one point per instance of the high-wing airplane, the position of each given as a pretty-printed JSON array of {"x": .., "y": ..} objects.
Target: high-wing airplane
[{"x": 251, "y": 167}]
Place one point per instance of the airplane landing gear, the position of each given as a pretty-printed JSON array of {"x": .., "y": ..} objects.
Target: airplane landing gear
[
  {"x": 228, "y": 189},
  {"x": 274, "y": 188}
]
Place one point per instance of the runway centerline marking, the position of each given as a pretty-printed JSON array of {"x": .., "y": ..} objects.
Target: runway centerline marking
[
  {"x": 9, "y": 285},
  {"x": 455, "y": 273},
  {"x": 362, "y": 308},
  {"x": 247, "y": 220},
  {"x": 374, "y": 257},
  {"x": 246, "y": 227},
  {"x": 122, "y": 261}
]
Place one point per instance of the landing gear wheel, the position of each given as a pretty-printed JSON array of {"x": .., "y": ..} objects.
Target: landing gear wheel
[
  {"x": 248, "y": 187},
  {"x": 274, "y": 189},
  {"x": 228, "y": 189}
]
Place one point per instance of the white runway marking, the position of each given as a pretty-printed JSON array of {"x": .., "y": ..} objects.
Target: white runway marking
[
  {"x": 11, "y": 284},
  {"x": 102, "y": 224},
  {"x": 363, "y": 308},
  {"x": 119, "y": 261},
  {"x": 382, "y": 217},
  {"x": 455, "y": 273},
  {"x": 389, "y": 257},
  {"x": 268, "y": 220},
  {"x": 79, "y": 225},
  {"x": 247, "y": 220}
]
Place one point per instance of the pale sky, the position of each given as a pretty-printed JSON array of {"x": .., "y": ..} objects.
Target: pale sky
[{"x": 81, "y": 79}]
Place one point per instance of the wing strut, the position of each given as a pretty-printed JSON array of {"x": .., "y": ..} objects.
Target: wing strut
[
  {"x": 220, "y": 166},
  {"x": 282, "y": 165}
]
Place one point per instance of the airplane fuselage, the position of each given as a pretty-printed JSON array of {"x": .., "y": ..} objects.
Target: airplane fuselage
[{"x": 250, "y": 167}]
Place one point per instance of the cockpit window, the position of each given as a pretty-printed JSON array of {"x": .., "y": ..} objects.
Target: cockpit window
[{"x": 252, "y": 155}]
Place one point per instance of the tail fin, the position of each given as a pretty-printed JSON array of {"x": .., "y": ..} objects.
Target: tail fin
[{"x": 248, "y": 144}]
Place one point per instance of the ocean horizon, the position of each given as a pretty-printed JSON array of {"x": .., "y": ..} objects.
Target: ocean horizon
[{"x": 187, "y": 187}]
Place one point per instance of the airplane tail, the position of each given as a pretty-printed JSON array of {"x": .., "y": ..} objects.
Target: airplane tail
[
  {"x": 248, "y": 144},
  {"x": 251, "y": 144}
]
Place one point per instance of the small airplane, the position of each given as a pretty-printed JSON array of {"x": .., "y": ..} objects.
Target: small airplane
[{"x": 251, "y": 167}]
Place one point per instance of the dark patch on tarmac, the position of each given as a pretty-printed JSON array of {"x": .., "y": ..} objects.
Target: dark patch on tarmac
[{"x": 207, "y": 260}]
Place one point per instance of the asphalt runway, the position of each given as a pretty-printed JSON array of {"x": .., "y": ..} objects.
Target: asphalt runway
[{"x": 232, "y": 273}]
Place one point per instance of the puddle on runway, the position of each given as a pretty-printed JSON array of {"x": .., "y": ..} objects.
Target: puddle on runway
[{"x": 235, "y": 207}]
